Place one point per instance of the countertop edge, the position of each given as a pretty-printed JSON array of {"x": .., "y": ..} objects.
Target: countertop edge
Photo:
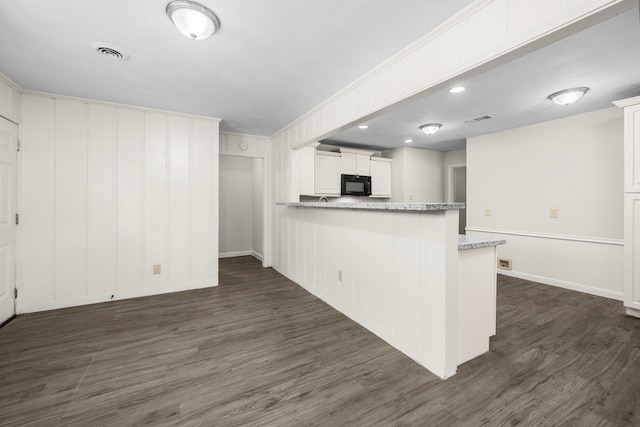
[
  {"x": 377, "y": 206},
  {"x": 466, "y": 243}
]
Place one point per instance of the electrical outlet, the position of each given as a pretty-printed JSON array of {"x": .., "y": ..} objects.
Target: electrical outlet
[
  {"x": 156, "y": 269},
  {"x": 504, "y": 264},
  {"x": 411, "y": 197},
  {"x": 487, "y": 212},
  {"x": 339, "y": 275},
  {"x": 554, "y": 213}
]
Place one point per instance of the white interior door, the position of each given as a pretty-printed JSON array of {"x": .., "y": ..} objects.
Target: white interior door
[{"x": 8, "y": 159}]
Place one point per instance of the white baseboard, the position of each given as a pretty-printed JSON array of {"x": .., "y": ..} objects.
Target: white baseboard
[
  {"x": 240, "y": 253},
  {"x": 565, "y": 285},
  {"x": 35, "y": 306},
  {"x": 234, "y": 254}
]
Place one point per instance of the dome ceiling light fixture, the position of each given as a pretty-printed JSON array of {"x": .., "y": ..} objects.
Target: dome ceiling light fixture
[
  {"x": 568, "y": 96},
  {"x": 430, "y": 128},
  {"x": 193, "y": 19}
]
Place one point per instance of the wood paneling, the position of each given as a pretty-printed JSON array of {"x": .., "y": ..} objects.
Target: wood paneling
[
  {"x": 483, "y": 33},
  {"x": 258, "y": 350},
  {"x": 108, "y": 192}
]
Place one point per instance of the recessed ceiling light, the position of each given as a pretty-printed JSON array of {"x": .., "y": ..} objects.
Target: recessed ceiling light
[
  {"x": 431, "y": 128},
  {"x": 408, "y": 141},
  {"x": 193, "y": 19},
  {"x": 457, "y": 89},
  {"x": 568, "y": 96},
  {"x": 363, "y": 127}
]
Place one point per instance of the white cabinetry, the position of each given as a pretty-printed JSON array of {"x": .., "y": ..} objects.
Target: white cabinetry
[
  {"x": 327, "y": 173},
  {"x": 355, "y": 164},
  {"x": 380, "y": 177},
  {"x": 632, "y": 204}
]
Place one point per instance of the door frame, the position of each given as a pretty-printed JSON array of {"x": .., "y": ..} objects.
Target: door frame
[
  {"x": 266, "y": 201},
  {"x": 17, "y": 199},
  {"x": 450, "y": 170}
]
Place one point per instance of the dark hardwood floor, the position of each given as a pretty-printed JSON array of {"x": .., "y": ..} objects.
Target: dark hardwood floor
[{"x": 260, "y": 351}]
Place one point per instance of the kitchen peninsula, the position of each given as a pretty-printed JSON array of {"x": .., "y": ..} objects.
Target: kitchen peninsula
[{"x": 401, "y": 271}]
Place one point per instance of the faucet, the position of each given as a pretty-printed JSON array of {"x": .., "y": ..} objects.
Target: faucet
[{"x": 323, "y": 199}]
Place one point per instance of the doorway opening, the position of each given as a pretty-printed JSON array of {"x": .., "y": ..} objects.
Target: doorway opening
[
  {"x": 241, "y": 208},
  {"x": 457, "y": 184}
]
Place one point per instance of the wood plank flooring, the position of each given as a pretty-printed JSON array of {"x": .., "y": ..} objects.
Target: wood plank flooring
[{"x": 260, "y": 351}]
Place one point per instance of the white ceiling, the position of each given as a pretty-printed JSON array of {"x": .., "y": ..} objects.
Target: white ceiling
[
  {"x": 272, "y": 60},
  {"x": 605, "y": 58}
]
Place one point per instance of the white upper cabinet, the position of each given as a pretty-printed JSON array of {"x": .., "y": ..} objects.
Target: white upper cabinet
[
  {"x": 631, "y": 144},
  {"x": 327, "y": 174},
  {"x": 362, "y": 165},
  {"x": 355, "y": 162},
  {"x": 348, "y": 164},
  {"x": 380, "y": 177}
]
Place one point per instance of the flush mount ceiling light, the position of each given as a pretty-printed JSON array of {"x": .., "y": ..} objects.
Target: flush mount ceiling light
[
  {"x": 193, "y": 19},
  {"x": 457, "y": 89},
  {"x": 363, "y": 127},
  {"x": 568, "y": 96},
  {"x": 431, "y": 128},
  {"x": 408, "y": 141}
]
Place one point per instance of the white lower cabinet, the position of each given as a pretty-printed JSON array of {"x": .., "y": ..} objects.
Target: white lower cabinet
[
  {"x": 380, "y": 177},
  {"x": 327, "y": 174},
  {"x": 632, "y": 253}
]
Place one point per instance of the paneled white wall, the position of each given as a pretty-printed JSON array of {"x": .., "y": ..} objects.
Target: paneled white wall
[
  {"x": 573, "y": 165},
  {"x": 9, "y": 99},
  {"x": 108, "y": 191},
  {"x": 486, "y": 33},
  {"x": 417, "y": 175}
]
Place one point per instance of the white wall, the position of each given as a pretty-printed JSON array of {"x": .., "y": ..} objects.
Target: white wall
[
  {"x": 241, "y": 206},
  {"x": 574, "y": 165},
  {"x": 9, "y": 99},
  {"x": 458, "y": 157},
  {"x": 259, "y": 150},
  {"x": 236, "y": 206},
  {"x": 417, "y": 175},
  {"x": 257, "y": 206},
  {"x": 107, "y": 192}
]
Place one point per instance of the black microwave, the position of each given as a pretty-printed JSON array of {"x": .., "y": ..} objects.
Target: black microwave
[{"x": 355, "y": 185}]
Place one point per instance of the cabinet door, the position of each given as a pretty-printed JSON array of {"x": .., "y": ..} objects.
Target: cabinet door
[
  {"x": 632, "y": 251},
  {"x": 380, "y": 178},
  {"x": 348, "y": 164},
  {"x": 306, "y": 171},
  {"x": 327, "y": 175},
  {"x": 362, "y": 165},
  {"x": 632, "y": 149}
]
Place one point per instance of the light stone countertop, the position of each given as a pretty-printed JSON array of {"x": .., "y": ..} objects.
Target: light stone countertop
[
  {"x": 377, "y": 206},
  {"x": 468, "y": 242}
]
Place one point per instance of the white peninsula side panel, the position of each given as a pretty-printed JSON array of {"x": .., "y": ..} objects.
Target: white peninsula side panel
[{"x": 392, "y": 271}]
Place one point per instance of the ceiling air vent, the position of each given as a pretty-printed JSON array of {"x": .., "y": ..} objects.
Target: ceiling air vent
[
  {"x": 479, "y": 119},
  {"x": 110, "y": 51}
]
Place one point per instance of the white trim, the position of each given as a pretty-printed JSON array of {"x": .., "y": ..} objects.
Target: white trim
[
  {"x": 564, "y": 284},
  {"x": 235, "y": 254},
  {"x": 627, "y": 102},
  {"x": 449, "y": 184},
  {"x": 596, "y": 240},
  {"x": 6, "y": 79},
  {"x": 116, "y": 105},
  {"x": 34, "y": 306},
  {"x": 254, "y": 254}
]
